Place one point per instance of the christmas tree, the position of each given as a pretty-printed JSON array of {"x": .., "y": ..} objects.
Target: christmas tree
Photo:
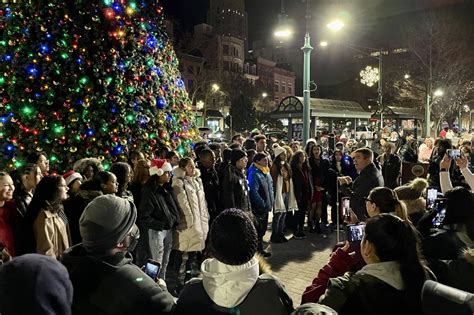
[{"x": 88, "y": 78}]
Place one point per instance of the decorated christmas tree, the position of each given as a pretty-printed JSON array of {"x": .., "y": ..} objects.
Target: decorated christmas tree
[{"x": 88, "y": 78}]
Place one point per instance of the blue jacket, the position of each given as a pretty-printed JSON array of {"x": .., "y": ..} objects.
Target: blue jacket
[{"x": 261, "y": 190}]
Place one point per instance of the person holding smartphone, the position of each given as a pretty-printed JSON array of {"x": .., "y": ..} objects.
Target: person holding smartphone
[
  {"x": 104, "y": 278},
  {"x": 389, "y": 283}
]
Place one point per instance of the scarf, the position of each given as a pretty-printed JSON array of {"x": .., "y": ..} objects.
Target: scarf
[
  {"x": 265, "y": 169},
  {"x": 279, "y": 202}
]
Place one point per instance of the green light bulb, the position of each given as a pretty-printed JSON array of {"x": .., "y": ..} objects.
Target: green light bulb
[
  {"x": 2, "y": 80},
  {"x": 27, "y": 110},
  {"x": 84, "y": 80}
]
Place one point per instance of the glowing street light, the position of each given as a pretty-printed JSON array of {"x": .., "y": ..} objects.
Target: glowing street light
[
  {"x": 335, "y": 25},
  {"x": 264, "y": 94},
  {"x": 438, "y": 93},
  {"x": 406, "y": 76},
  {"x": 215, "y": 87},
  {"x": 323, "y": 44},
  {"x": 283, "y": 33}
]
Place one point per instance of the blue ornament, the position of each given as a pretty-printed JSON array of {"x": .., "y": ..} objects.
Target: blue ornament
[
  {"x": 7, "y": 57},
  {"x": 117, "y": 150},
  {"x": 32, "y": 71},
  {"x": 90, "y": 132},
  {"x": 180, "y": 83},
  {"x": 160, "y": 102}
]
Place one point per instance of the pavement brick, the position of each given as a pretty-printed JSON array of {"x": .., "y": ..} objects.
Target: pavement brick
[{"x": 297, "y": 262}]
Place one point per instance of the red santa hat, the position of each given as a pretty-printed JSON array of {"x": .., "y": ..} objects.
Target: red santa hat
[
  {"x": 159, "y": 167},
  {"x": 71, "y": 176}
]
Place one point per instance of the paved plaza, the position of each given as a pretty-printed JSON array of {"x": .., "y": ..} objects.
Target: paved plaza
[{"x": 297, "y": 262}]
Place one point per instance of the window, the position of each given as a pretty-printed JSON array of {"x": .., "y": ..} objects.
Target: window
[
  {"x": 277, "y": 86},
  {"x": 283, "y": 87},
  {"x": 225, "y": 49},
  {"x": 290, "y": 88},
  {"x": 226, "y": 66}
]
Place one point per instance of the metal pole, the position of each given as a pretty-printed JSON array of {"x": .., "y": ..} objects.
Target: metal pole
[
  {"x": 380, "y": 90},
  {"x": 427, "y": 115},
  {"x": 306, "y": 82}
]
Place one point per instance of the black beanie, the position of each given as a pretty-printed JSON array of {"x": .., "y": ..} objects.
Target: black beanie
[
  {"x": 233, "y": 237},
  {"x": 236, "y": 155},
  {"x": 35, "y": 285},
  {"x": 105, "y": 222}
]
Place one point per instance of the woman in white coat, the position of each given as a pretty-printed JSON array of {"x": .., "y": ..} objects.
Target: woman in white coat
[{"x": 189, "y": 237}]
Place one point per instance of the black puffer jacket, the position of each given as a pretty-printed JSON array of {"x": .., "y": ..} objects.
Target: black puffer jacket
[
  {"x": 212, "y": 190},
  {"x": 113, "y": 285},
  {"x": 235, "y": 191}
]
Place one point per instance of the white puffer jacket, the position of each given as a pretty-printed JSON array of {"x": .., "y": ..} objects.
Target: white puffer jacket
[{"x": 193, "y": 224}]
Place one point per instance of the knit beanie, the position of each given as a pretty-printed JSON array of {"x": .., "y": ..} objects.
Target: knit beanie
[
  {"x": 105, "y": 222},
  {"x": 236, "y": 155},
  {"x": 233, "y": 237},
  {"x": 278, "y": 150},
  {"x": 413, "y": 190},
  {"x": 35, "y": 285}
]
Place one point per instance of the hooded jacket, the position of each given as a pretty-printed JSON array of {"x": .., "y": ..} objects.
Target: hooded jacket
[
  {"x": 226, "y": 289},
  {"x": 375, "y": 289},
  {"x": 113, "y": 285},
  {"x": 193, "y": 224}
]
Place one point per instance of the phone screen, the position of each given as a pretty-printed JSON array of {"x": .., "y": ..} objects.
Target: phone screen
[
  {"x": 355, "y": 232},
  {"x": 152, "y": 268},
  {"x": 440, "y": 206},
  {"x": 346, "y": 207},
  {"x": 431, "y": 195},
  {"x": 454, "y": 153}
]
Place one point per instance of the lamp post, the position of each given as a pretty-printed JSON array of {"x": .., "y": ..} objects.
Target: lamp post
[{"x": 429, "y": 102}]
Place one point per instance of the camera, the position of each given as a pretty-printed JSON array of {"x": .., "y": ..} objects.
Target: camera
[
  {"x": 440, "y": 207},
  {"x": 346, "y": 207},
  {"x": 355, "y": 232},
  {"x": 152, "y": 269},
  {"x": 454, "y": 153}
]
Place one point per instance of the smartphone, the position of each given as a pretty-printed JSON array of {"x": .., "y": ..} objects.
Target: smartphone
[
  {"x": 152, "y": 269},
  {"x": 431, "y": 196},
  {"x": 355, "y": 232},
  {"x": 346, "y": 206},
  {"x": 454, "y": 153},
  {"x": 440, "y": 206}
]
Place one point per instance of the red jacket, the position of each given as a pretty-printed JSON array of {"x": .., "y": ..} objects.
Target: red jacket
[
  {"x": 6, "y": 233},
  {"x": 339, "y": 263}
]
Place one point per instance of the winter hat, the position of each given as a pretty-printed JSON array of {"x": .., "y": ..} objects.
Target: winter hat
[
  {"x": 233, "y": 237},
  {"x": 35, "y": 284},
  {"x": 105, "y": 222},
  {"x": 278, "y": 150},
  {"x": 71, "y": 176},
  {"x": 159, "y": 167},
  {"x": 313, "y": 309},
  {"x": 236, "y": 155},
  {"x": 413, "y": 190}
]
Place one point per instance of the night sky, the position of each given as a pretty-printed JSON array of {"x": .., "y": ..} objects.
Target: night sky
[{"x": 369, "y": 23}]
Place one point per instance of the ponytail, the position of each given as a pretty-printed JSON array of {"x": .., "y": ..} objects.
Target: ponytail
[
  {"x": 397, "y": 240},
  {"x": 400, "y": 210}
]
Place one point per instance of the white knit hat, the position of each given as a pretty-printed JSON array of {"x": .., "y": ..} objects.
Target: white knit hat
[{"x": 278, "y": 150}]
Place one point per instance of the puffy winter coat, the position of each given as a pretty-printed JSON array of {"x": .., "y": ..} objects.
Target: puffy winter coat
[
  {"x": 261, "y": 190},
  {"x": 235, "y": 190},
  {"x": 193, "y": 224}
]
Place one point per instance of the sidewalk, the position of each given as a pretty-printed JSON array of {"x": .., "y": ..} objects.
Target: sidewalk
[{"x": 297, "y": 262}]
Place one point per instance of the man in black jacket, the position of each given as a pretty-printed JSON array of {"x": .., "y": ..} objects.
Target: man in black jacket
[
  {"x": 391, "y": 166},
  {"x": 104, "y": 279},
  {"x": 235, "y": 191},
  {"x": 369, "y": 178},
  {"x": 210, "y": 181}
]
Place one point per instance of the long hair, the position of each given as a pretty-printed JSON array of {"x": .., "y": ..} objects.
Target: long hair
[
  {"x": 387, "y": 201},
  {"x": 279, "y": 165},
  {"x": 141, "y": 171},
  {"x": 17, "y": 175},
  {"x": 397, "y": 240},
  {"x": 295, "y": 160},
  {"x": 122, "y": 171},
  {"x": 46, "y": 196}
]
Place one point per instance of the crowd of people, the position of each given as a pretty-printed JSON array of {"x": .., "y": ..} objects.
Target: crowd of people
[{"x": 91, "y": 233}]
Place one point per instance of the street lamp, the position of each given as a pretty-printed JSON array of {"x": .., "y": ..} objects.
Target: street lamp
[
  {"x": 215, "y": 87},
  {"x": 334, "y": 25},
  {"x": 264, "y": 94},
  {"x": 436, "y": 94},
  {"x": 323, "y": 43}
]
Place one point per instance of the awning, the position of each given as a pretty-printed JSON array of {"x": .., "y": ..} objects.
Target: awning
[{"x": 292, "y": 106}]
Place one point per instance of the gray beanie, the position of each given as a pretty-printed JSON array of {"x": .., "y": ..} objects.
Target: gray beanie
[{"x": 105, "y": 222}]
